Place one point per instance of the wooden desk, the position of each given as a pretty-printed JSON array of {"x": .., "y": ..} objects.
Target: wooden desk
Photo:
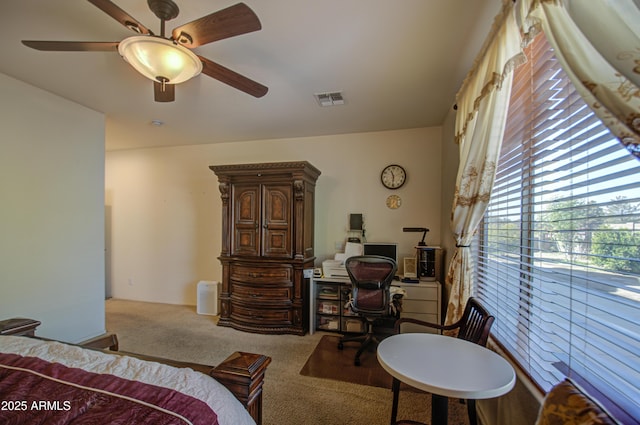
[
  {"x": 421, "y": 301},
  {"x": 445, "y": 367}
]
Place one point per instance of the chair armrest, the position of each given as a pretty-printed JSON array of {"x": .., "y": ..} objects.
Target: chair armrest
[{"x": 401, "y": 320}]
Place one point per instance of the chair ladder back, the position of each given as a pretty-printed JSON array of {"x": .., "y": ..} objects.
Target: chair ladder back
[{"x": 476, "y": 323}]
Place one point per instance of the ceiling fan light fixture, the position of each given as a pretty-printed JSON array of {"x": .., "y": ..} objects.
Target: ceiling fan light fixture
[{"x": 160, "y": 59}]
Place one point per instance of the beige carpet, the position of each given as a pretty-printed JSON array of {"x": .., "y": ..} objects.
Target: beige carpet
[{"x": 178, "y": 332}]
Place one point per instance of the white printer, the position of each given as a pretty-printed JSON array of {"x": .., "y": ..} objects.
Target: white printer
[{"x": 336, "y": 267}]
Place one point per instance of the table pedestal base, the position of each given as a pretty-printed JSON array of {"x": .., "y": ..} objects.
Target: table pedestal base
[
  {"x": 439, "y": 407},
  {"x": 395, "y": 387}
]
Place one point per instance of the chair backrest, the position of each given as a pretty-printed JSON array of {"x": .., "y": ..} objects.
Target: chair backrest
[
  {"x": 371, "y": 277},
  {"x": 475, "y": 323}
]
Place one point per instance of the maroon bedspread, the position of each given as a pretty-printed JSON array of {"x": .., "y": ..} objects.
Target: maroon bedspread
[{"x": 34, "y": 391}]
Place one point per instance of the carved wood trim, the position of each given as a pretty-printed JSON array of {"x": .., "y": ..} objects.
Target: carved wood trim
[
  {"x": 243, "y": 375},
  {"x": 224, "y": 196},
  {"x": 267, "y": 167},
  {"x": 19, "y": 326}
]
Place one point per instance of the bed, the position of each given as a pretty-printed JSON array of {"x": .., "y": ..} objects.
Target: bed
[{"x": 44, "y": 381}]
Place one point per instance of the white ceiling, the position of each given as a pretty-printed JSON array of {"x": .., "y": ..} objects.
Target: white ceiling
[{"x": 398, "y": 63}]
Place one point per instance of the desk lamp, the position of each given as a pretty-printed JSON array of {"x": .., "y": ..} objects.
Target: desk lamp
[{"x": 424, "y": 231}]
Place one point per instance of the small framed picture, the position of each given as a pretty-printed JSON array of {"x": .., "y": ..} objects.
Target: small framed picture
[{"x": 410, "y": 267}]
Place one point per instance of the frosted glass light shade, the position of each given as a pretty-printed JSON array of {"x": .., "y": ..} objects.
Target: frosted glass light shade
[{"x": 160, "y": 59}]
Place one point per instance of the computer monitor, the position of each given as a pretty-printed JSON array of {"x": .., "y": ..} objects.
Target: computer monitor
[{"x": 384, "y": 249}]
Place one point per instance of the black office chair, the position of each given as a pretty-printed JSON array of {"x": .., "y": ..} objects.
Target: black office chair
[
  {"x": 473, "y": 326},
  {"x": 371, "y": 277}
]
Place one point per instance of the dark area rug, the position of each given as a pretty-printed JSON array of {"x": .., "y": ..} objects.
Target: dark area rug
[{"x": 328, "y": 362}]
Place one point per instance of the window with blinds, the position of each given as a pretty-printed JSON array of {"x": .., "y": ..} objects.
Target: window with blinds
[{"x": 558, "y": 253}]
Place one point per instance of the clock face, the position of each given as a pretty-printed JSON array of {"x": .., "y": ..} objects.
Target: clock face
[{"x": 393, "y": 176}]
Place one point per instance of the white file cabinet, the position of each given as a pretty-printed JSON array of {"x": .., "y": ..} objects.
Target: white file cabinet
[{"x": 422, "y": 302}]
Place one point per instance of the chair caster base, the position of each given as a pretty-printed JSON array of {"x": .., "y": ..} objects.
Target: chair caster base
[
  {"x": 340, "y": 346},
  {"x": 356, "y": 362}
]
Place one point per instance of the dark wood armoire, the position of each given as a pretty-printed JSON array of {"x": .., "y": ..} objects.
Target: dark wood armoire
[{"x": 267, "y": 244}]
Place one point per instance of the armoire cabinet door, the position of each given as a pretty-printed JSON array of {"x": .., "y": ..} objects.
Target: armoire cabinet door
[
  {"x": 246, "y": 220},
  {"x": 276, "y": 220},
  {"x": 262, "y": 220}
]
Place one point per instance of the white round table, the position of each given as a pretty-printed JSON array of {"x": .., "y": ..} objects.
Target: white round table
[{"x": 445, "y": 367}]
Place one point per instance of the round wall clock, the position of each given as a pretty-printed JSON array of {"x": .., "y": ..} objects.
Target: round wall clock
[
  {"x": 394, "y": 202},
  {"x": 393, "y": 176}
]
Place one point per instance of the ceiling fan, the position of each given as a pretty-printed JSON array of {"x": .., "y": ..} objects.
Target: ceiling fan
[{"x": 168, "y": 60}]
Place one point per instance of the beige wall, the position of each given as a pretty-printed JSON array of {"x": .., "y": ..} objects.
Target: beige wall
[
  {"x": 52, "y": 214},
  {"x": 164, "y": 227}
]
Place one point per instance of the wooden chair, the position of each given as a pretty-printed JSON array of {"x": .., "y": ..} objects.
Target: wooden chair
[
  {"x": 371, "y": 277},
  {"x": 473, "y": 326}
]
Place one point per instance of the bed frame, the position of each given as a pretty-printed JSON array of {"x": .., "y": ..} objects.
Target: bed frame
[{"x": 242, "y": 373}]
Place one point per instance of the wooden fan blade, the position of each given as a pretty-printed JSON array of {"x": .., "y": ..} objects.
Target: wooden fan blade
[
  {"x": 121, "y": 16},
  {"x": 232, "y": 78},
  {"x": 164, "y": 92},
  {"x": 229, "y": 22},
  {"x": 73, "y": 46}
]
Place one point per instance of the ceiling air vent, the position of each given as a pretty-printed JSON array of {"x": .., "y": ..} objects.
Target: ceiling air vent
[{"x": 330, "y": 99}]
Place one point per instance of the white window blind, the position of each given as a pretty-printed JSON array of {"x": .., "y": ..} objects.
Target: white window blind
[{"x": 559, "y": 248}]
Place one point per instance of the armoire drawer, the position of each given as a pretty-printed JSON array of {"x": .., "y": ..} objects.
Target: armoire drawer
[
  {"x": 260, "y": 294},
  {"x": 262, "y": 317},
  {"x": 257, "y": 274}
]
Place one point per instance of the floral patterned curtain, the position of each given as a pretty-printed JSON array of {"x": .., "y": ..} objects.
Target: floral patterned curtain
[
  {"x": 482, "y": 110},
  {"x": 598, "y": 44}
]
